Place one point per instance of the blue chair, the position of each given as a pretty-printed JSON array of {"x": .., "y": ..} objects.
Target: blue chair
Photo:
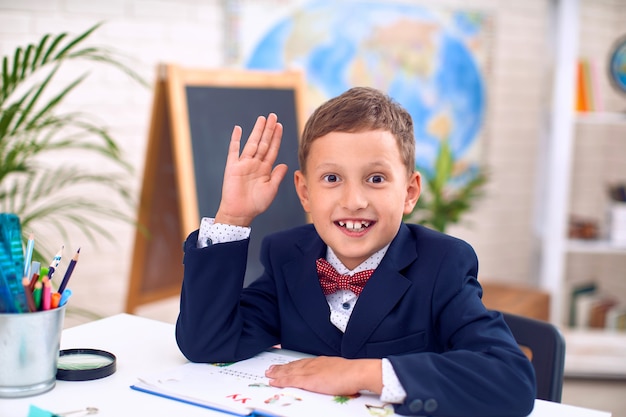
[{"x": 544, "y": 344}]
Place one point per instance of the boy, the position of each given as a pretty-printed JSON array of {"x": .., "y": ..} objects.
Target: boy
[{"x": 415, "y": 332}]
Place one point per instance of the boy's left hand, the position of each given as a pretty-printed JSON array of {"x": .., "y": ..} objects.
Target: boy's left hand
[{"x": 329, "y": 375}]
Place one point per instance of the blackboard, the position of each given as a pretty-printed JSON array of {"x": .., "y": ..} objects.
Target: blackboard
[{"x": 193, "y": 115}]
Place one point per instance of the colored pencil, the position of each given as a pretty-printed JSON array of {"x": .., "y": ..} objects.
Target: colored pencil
[
  {"x": 37, "y": 294},
  {"x": 46, "y": 293},
  {"x": 55, "y": 298},
  {"x": 29, "y": 255},
  {"x": 29, "y": 295},
  {"x": 68, "y": 273},
  {"x": 33, "y": 281}
]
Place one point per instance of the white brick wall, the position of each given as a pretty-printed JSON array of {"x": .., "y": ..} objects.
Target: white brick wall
[
  {"x": 189, "y": 33},
  {"x": 37, "y": 6},
  {"x": 96, "y": 9},
  {"x": 501, "y": 231},
  {"x": 14, "y": 23}
]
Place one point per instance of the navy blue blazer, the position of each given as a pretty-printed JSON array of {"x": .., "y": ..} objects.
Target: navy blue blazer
[{"x": 421, "y": 309}]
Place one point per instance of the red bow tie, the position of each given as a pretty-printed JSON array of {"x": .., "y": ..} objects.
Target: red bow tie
[{"x": 332, "y": 281}]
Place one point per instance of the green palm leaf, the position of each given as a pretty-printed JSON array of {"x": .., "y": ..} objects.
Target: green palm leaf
[
  {"x": 444, "y": 199},
  {"x": 33, "y": 129}
]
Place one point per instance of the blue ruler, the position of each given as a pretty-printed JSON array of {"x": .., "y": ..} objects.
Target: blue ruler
[{"x": 12, "y": 296}]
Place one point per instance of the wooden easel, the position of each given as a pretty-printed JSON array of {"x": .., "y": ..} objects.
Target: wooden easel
[{"x": 193, "y": 112}]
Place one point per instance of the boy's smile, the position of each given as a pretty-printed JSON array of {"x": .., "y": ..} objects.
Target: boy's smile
[
  {"x": 355, "y": 226},
  {"x": 356, "y": 190}
]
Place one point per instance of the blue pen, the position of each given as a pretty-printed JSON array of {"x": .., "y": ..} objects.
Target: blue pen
[
  {"x": 65, "y": 296},
  {"x": 55, "y": 263}
]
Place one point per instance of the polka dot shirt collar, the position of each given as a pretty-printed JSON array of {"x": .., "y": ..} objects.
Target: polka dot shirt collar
[{"x": 370, "y": 263}]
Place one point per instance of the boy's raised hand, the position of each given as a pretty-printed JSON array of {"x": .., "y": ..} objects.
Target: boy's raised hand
[{"x": 250, "y": 180}]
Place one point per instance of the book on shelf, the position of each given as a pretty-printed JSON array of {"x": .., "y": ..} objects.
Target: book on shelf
[
  {"x": 616, "y": 318},
  {"x": 598, "y": 311},
  {"x": 584, "y": 306},
  {"x": 592, "y": 308},
  {"x": 241, "y": 389},
  {"x": 579, "y": 291},
  {"x": 588, "y": 93}
]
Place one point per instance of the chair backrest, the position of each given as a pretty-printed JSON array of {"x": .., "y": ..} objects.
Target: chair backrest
[{"x": 545, "y": 346}]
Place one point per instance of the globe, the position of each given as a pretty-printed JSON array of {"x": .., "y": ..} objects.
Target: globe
[
  {"x": 617, "y": 65},
  {"x": 418, "y": 56}
]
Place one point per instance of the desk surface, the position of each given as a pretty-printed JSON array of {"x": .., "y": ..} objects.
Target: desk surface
[{"x": 143, "y": 345}]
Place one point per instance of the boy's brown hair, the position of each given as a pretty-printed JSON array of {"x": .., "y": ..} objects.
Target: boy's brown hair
[{"x": 357, "y": 110}]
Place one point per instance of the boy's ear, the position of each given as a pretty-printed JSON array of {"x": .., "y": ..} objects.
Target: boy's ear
[
  {"x": 413, "y": 191},
  {"x": 301, "y": 188}
]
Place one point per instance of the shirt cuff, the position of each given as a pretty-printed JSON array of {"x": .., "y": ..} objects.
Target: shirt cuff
[
  {"x": 393, "y": 392},
  {"x": 211, "y": 233}
]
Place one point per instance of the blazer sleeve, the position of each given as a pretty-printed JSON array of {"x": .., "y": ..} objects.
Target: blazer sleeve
[
  {"x": 481, "y": 371},
  {"x": 218, "y": 322}
]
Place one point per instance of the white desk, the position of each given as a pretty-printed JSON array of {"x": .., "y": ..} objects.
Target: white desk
[{"x": 142, "y": 345}]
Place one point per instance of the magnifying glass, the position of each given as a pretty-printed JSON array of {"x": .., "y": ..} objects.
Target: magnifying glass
[{"x": 84, "y": 364}]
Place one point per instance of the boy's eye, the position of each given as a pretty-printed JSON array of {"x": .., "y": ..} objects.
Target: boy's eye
[
  {"x": 330, "y": 178},
  {"x": 376, "y": 179}
]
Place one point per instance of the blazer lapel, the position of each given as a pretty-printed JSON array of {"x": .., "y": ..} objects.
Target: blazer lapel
[
  {"x": 303, "y": 286},
  {"x": 381, "y": 293}
]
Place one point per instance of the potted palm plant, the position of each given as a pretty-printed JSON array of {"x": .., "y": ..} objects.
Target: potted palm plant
[
  {"x": 37, "y": 181},
  {"x": 448, "y": 191},
  {"x": 445, "y": 198}
]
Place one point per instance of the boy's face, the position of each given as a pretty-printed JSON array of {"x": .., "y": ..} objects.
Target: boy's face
[{"x": 356, "y": 191}]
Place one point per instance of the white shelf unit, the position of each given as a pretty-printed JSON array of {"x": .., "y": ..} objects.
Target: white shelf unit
[
  {"x": 594, "y": 246},
  {"x": 554, "y": 213},
  {"x": 559, "y": 298},
  {"x": 552, "y": 216},
  {"x": 556, "y": 244},
  {"x": 601, "y": 118}
]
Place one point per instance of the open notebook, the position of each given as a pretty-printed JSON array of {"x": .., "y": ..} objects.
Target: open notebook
[{"x": 241, "y": 389}]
